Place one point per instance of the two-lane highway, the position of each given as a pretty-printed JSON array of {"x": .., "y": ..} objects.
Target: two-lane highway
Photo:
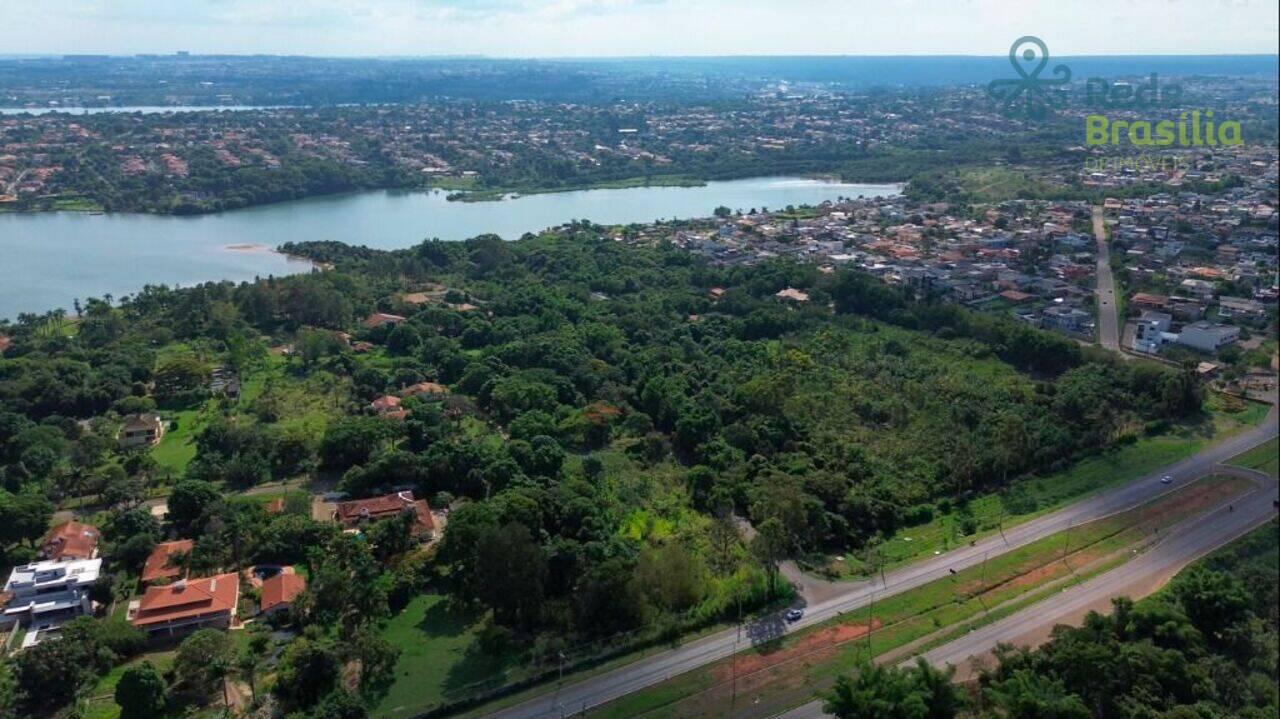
[
  {"x": 651, "y": 670},
  {"x": 1108, "y": 307},
  {"x": 1185, "y": 543}
]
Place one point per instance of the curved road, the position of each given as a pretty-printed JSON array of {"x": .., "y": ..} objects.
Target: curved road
[{"x": 606, "y": 687}]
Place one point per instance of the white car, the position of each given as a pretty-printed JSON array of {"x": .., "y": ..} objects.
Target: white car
[
  {"x": 793, "y": 615},
  {"x": 1167, "y": 479}
]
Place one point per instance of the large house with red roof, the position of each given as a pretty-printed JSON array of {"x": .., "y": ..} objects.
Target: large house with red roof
[
  {"x": 164, "y": 563},
  {"x": 70, "y": 541},
  {"x": 357, "y": 512},
  {"x": 187, "y": 605}
]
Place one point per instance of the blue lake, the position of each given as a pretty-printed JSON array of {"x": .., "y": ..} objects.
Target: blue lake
[{"x": 49, "y": 259}]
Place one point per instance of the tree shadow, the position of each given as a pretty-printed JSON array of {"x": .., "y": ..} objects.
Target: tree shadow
[
  {"x": 765, "y": 633},
  {"x": 477, "y": 670},
  {"x": 447, "y": 619}
]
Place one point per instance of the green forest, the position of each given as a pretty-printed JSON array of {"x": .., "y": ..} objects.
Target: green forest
[{"x": 606, "y": 426}]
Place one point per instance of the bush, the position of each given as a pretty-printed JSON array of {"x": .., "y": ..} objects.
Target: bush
[
  {"x": 141, "y": 693},
  {"x": 494, "y": 639},
  {"x": 121, "y": 637}
]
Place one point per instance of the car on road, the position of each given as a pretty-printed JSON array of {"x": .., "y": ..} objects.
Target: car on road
[
  {"x": 1167, "y": 479},
  {"x": 793, "y": 615}
]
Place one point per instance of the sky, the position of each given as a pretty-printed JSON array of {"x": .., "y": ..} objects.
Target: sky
[{"x": 596, "y": 28}]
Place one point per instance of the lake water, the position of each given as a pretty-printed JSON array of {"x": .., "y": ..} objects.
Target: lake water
[{"x": 49, "y": 259}]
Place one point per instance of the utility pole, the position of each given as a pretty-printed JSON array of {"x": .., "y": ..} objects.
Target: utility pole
[
  {"x": 559, "y": 682},
  {"x": 871, "y": 618},
  {"x": 733, "y": 701},
  {"x": 880, "y": 561}
]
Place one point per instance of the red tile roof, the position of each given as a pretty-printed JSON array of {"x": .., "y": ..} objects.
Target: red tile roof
[
  {"x": 70, "y": 540},
  {"x": 378, "y": 319},
  {"x": 385, "y": 403},
  {"x": 424, "y": 388},
  {"x": 376, "y": 508},
  {"x": 188, "y": 598},
  {"x": 159, "y": 564},
  {"x": 281, "y": 589}
]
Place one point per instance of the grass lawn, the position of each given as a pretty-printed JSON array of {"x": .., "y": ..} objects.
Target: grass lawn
[
  {"x": 777, "y": 675},
  {"x": 439, "y": 658},
  {"x": 177, "y": 447},
  {"x": 303, "y": 405},
  {"x": 101, "y": 703},
  {"x": 1035, "y": 496},
  {"x": 1264, "y": 458}
]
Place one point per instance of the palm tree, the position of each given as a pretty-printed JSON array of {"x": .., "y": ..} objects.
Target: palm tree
[
  {"x": 247, "y": 665},
  {"x": 220, "y": 669}
]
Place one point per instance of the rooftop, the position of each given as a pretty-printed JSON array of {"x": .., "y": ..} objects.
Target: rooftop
[{"x": 188, "y": 598}]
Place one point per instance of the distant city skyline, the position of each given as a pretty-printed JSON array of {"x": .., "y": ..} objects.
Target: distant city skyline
[{"x": 613, "y": 28}]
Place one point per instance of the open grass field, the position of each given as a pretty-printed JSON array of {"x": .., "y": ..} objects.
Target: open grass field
[
  {"x": 779, "y": 674},
  {"x": 1264, "y": 458},
  {"x": 177, "y": 447},
  {"x": 101, "y": 703},
  {"x": 438, "y": 655},
  {"x": 303, "y": 406}
]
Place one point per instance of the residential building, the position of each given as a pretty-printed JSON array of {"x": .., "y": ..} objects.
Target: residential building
[
  {"x": 388, "y": 406},
  {"x": 1243, "y": 308},
  {"x": 1162, "y": 320},
  {"x": 1150, "y": 334},
  {"x": 279, "y": 591},
  {"x": 165, "y": 563},
  {"x": 187, "y": 605},
  {"x": 141, "y": 430},
  {"x": 792, "y": 294},
  {"x": 1147, "y": 301},
  {"x": 425, "y": 390},
  {"x": 49, "y": 592},
  {"x": 70, "y": 541},
  {"x": 355, "y": 513},
  {"x": 381, "y": 319},
  {"x": 1067, "y": 319},
  {"x": 1208, "y": 337}
]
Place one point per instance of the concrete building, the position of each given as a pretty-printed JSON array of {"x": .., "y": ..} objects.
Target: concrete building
[
  {"x": 1208, "y": 337},
  {"x": 50, "y": 592},
  {"x": 1067, "y": 319}
]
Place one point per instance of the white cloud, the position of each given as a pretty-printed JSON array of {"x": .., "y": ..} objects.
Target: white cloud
[{"x": 640, "y": 27}]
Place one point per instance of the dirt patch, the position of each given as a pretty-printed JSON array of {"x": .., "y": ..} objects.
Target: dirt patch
[
  {"x": 1191, "y": 500},
  {"x": 1167, "y": 511},
  {"x": 808, "y": 644}
]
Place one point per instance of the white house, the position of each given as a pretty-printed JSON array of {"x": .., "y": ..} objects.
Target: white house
[
  {"x": 1208, "y": 337},
  {"x": 49, "y": 592}
]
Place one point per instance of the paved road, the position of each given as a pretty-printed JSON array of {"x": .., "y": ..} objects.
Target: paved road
[
  {"x": 1187, "y": 542},
  {"x": 651, "y": 670},
  {"x": 1108, "y": 322},
  {"x": 1138, "y": 577}
]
